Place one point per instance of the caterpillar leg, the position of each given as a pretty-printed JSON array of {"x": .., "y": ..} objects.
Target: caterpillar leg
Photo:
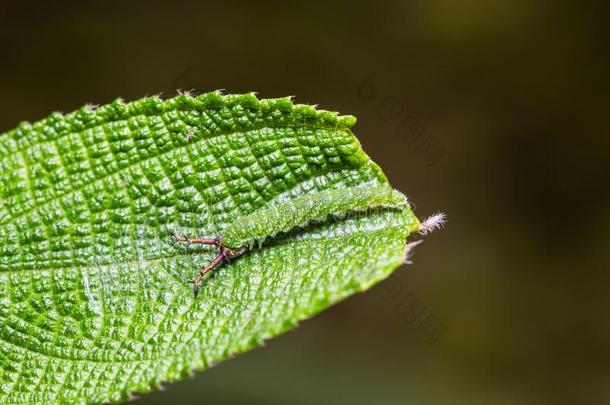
[
  {"x": 197, "y": 282},
  {"x": 225, "y": 254},
  {"x": 200, "y": 241}
]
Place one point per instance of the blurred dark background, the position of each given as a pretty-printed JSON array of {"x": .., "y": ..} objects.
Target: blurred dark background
[{"x": 494, "y": 112}]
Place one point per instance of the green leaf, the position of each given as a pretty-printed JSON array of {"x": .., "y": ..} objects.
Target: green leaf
[{"x": 94, "y": 299}]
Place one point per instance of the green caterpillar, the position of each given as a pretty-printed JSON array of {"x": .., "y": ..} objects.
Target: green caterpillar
[
  {"x": 316, "y": 207},
  {"x": 244, "y": 232}
]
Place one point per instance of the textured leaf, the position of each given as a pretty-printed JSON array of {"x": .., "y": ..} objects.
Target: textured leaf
[{"x": 94, "y": 300}]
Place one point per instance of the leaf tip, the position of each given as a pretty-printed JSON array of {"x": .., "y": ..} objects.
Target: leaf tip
[{"x": 409, "y": 248}]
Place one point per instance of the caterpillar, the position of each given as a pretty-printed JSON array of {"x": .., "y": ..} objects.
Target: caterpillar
[{"x": 244, "y": 232}]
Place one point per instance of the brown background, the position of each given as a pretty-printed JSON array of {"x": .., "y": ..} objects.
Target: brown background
[{"x": 494, "y": 112}]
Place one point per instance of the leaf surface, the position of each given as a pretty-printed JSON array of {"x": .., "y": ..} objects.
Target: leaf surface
[{"x": 94, "y": 300}]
